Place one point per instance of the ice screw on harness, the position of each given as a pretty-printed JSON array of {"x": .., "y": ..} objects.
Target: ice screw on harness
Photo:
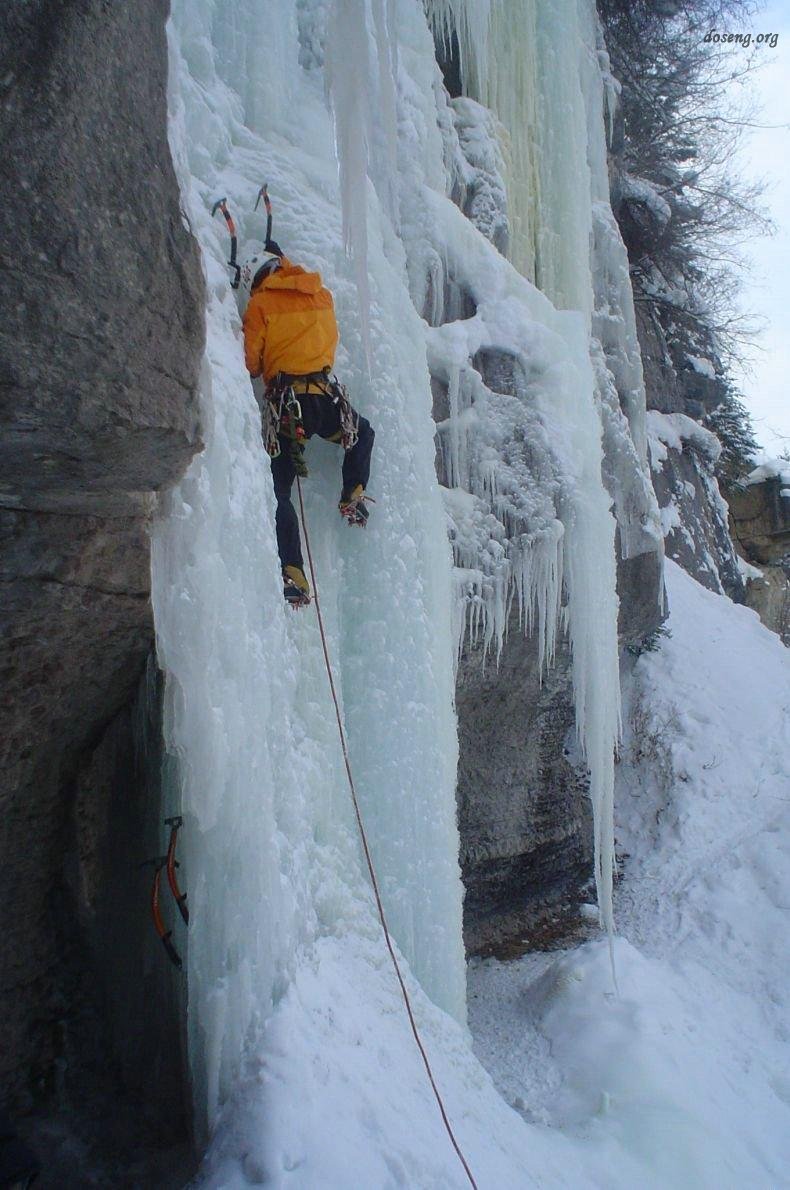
[
  {"x": 283, "y": 416},
  {"x": 294, "y": 427},
  {"x": 167, "y": 863},
  {"x": 222, "y": 205}
]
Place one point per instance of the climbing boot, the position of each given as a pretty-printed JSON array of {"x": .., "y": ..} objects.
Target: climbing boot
[
  {"x": 352, "y": 506},
  {"x": 296, "y": 588}
]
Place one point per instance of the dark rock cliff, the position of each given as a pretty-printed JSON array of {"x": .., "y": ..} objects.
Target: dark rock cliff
[
  {"x": 524, "y": 813},
  {"x": 760, "y": 520},
  {"x": 100, "y": 344},
  {"x": 681, "y": 381},
  {"x": 695, "y": 514}
]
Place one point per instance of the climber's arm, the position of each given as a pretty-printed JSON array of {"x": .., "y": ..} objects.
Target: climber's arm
[{"x": 254, "y": 324}]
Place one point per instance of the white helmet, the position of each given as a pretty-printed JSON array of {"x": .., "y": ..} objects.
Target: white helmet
[{"x": 256, "y": 267}]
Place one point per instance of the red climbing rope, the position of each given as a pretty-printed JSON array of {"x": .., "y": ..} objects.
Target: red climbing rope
[{"x": 366, "y": 849}]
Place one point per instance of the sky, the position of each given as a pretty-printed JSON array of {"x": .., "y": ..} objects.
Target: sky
[{"x": 766, "y": 153}]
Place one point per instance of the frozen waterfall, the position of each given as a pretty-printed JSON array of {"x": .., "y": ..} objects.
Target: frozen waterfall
[
  {"x": 285, "y": 957},
  {"x": 249, "y": 715}
]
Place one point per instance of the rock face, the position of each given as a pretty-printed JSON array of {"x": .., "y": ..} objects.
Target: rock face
[
  {"x": 524, "y": 814},
  {"x": 661, "y": 382},
  {"x": 100, "y": 345},
  {"x": 695, "y": 517},
  {"x": 760, "y": 521}
]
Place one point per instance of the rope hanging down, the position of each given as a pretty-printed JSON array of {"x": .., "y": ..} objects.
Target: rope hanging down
[{"x": 366, "y": 849}]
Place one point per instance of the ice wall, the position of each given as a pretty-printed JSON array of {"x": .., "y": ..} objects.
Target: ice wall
[
  {"x": 273, "y": 859},
  {"x": 279, "y": 900},
  {"x": 553, "y": 93}
]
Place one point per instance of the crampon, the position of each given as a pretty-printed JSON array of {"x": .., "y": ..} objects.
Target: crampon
[
  {"x": 296, "y": 598},
  {"x": 296, "y": 589},
  {"x": 352, "y": 506}
]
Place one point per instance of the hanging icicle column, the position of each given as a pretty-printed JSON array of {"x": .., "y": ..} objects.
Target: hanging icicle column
[{"x": 552, "y": 188}]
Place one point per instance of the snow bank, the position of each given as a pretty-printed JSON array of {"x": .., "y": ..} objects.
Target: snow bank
[
  {"x": 685, "y": 1073},
  {"x": 749, "y": 572}
]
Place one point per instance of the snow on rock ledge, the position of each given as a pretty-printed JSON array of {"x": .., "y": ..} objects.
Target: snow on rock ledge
[
  {"x": 675, "y": 429},
  {"x": 694, "y": 514}
]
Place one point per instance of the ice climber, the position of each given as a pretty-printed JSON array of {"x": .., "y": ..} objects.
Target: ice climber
[{"x": 290, "y": 336}]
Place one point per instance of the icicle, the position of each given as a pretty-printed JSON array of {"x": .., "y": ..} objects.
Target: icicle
[
  {"x": 386, "y": 53},
  {"x": 566, "y": 395},
  {"x": 469, "y": 21},
  {"x": 510, "y": 87},
  {"x": 348, "y": 88}
]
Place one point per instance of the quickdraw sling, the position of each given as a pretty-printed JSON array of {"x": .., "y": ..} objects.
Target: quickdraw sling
[{"x": 282, "y": 417}]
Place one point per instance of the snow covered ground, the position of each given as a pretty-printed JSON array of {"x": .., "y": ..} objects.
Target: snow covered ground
[
  {"x": 680, "y": 1080},
  {"x": 687, "y": 1072}
]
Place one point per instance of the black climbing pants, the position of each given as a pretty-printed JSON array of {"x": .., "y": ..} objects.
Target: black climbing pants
[{"x": 320, "y": 416}]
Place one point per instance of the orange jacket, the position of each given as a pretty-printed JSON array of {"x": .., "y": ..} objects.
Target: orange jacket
[{"x": 289, "y": 324}]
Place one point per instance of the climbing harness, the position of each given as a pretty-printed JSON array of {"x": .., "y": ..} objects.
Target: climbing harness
[
  {"x": 349, "y": 420},
  {"x": 282, "y": 417},
  {"x": 283, "y": 413},
  {"x": 292, "y": 426},
  {"x": 222, "y": 205},
  {"x": 329, "y": 385},
  {"x": 368, "y": 857},
  {"x": 272, "y": 417},
  {"x": 168, "y": 863}
]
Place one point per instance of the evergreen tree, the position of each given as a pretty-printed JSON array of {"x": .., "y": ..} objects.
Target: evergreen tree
[{"x": 732, "y": 425}]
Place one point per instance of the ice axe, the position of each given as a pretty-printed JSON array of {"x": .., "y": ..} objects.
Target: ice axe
[
  {"x": 222, "y": 205},
  {"x": 271, "y": 245},
  {"x": 168, "y": 864}
]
